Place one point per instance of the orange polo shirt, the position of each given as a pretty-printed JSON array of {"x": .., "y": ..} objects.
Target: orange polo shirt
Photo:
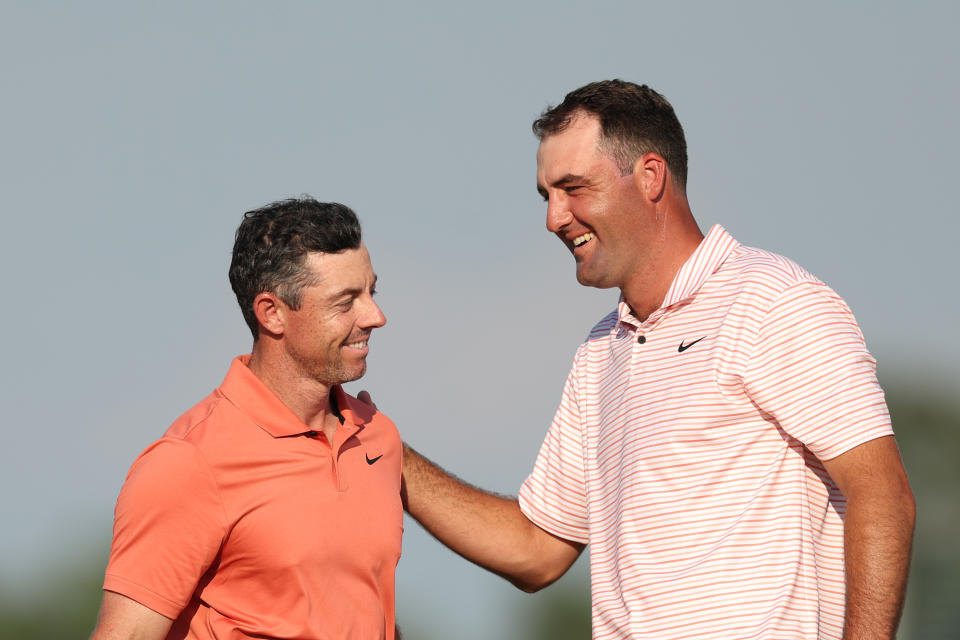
[{"x": 241, "y": 521}]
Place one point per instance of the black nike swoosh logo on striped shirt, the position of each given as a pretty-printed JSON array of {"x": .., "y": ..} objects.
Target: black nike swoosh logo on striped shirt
[{"x": 684, "y": 347}]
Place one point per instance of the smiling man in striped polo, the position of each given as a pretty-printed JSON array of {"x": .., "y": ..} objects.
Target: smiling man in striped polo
[{"x": 721, "y": 443}]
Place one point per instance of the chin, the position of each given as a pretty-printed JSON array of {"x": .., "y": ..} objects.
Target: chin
[
  {"x": 356, "y": 374},
  {"x": 591, "y": 281},
  {"x": 340, "y": 374}
]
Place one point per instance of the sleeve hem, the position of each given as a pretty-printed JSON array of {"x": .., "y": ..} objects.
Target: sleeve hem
[
  {"x": 164, "y": 606},
  {"x": 550, "y": 525},
  {"x": 839, "y": 450}
]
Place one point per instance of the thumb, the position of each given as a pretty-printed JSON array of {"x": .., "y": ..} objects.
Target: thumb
[{"x": 364, "y": 396}]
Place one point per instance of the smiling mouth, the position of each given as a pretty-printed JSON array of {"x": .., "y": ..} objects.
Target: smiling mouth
[
  {"x": 579, "y": 240},
  {"x": 356, "y": 345}
]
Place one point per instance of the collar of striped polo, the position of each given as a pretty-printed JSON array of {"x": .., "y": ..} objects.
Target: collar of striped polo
[{"x": 702, "y": 263}]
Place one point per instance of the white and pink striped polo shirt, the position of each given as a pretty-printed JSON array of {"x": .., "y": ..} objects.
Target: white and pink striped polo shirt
[{"x": 685, "y": 452}]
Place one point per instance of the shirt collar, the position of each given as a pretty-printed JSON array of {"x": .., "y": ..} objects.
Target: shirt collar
[
  {"x": 251, "y": 396},
  {"x": 712, "y": 251}
]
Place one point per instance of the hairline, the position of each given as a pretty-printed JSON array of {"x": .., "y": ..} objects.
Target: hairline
[
  {"x": 605, "y": 144},
  {"x": 608, "y": 145},
  {"x": 305, "y": 277}
]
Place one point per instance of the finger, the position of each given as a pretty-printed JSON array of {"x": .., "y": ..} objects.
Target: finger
[{"x": 364, "y": 396}]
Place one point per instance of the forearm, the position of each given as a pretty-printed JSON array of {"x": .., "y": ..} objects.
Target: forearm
[
  {"x": 877, "y": 542},
  {"x": 487, "y": 529},
  {"x": 878, "y": 532},
  {"x": 121, "y": 618}
]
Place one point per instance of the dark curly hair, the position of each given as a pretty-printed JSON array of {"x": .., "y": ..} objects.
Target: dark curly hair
[{"x": 272, "y": 243}]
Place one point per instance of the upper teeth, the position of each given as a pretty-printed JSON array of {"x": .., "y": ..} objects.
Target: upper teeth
[
  {"x": 579, "y": 240},
  {"x": 357, "y": 345}
]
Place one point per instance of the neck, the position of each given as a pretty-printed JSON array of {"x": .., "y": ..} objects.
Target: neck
[
  {"x": 308, "y": 398},
  {"x": 677, "y": 237}
]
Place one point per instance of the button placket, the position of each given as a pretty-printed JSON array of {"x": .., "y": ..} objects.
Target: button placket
[{"x": 648, "y": 325}]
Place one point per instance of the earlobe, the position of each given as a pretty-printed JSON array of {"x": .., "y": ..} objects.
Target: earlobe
[
  {"x": 270, "y": 312},
  {"x": 650, "y": 175}
]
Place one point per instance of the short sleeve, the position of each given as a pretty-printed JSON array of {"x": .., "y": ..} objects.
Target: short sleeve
[
  {"x": 168, "y": 527},
  {"x": 811, "y": 372},
  {"x": 554, "y": 494}
]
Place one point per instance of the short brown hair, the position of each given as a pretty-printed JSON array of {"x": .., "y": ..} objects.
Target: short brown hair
[{"x": 634, "y": 120}]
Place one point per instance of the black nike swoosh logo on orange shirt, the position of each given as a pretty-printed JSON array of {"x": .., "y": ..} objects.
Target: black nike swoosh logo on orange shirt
[
  {"x": 684, "y": 347},
  {"x": 372, "y": 460}
]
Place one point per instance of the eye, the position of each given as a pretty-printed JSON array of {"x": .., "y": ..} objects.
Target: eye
[{"x": 571, "y": 188}]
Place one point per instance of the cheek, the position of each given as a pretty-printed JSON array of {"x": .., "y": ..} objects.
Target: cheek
[{"x": 338, "y": 329}]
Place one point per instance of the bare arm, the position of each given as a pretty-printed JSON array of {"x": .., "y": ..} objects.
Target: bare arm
[
  {"x": 878, "y": 531},
  {"x": 485, "y": 528},
  {"x": 121, "y": 618}
]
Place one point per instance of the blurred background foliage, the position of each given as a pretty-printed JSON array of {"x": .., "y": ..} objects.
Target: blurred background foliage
[
  {"x": 62, "y": 602},
  {"x": 928, "y": 429}
]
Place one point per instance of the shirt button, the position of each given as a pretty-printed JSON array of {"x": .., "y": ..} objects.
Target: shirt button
[{"x": 641, "y": 339}]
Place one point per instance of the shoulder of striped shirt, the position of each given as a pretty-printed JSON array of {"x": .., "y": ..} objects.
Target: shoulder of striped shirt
[
  {"x": 603, "y": 327},
  {"x": 750, "y": 260}
]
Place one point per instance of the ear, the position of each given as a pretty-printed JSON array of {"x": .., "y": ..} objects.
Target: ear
[
  {"x": 650, "y": 175},
  {"x": 270, "y": 312}
]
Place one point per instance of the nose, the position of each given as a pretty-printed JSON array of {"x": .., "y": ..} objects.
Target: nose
[
  {"x": 558, "y": 213},
  {"x": 372, "y": 317}
]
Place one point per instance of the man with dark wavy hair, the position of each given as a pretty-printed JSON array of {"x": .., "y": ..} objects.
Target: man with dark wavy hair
[
  {"x": 272, "y": 508},
  {"x": 722, "y": 442}
]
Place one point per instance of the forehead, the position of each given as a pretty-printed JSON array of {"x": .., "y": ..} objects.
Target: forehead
[
  {"x": 335, "y": 272},
  {"x": 570, "y": 150}
]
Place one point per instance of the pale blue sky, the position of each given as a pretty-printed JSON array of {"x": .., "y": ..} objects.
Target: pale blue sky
[{"x": 133, "y": 138}]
